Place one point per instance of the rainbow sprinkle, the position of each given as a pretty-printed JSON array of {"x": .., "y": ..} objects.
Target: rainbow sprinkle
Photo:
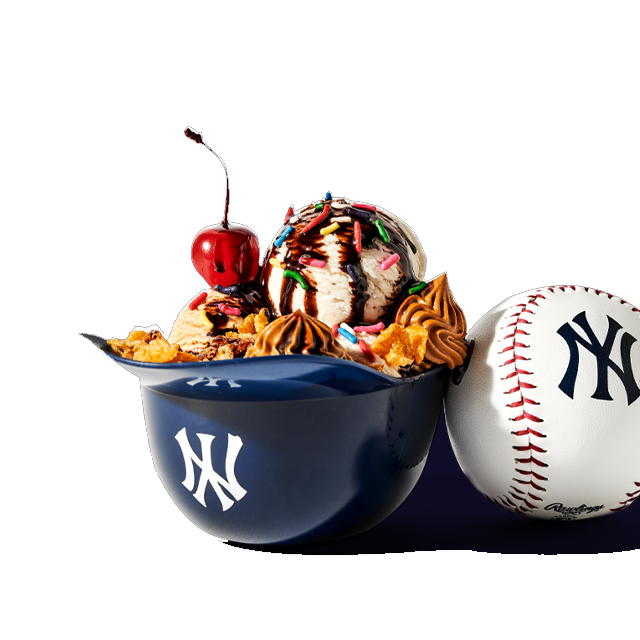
[
  {"x": 381, "y": 231},
  {"x": 357, "y": 236},
  {"x": 312, "y": 262},
  {"x": 366, "y": 207},
  {"x": 390, "y": 261},
  {"x": 328, "y": 195},
  {"x": 205, "y": 320},
  {"x": 234, "y": 288},
  {"x": 318, "y": 206},
  {"x": 330, "y": 229},
  {"x": 348, "y": 335},
  {"x": 372, "y": 328},
  {"x": 364, "y": 215},
  {"x": 276, "y": 263},
  {"x": 198, "y": 300},
  {"x": 318, "y": 219},
  {"x": 346, "y": 327},
  {"x": 366, "y": 350},
  {"x": 297, "y": 277},
  {"x": 418, "y": 287},
  {"x": 230, "y": 311},
  {"x": 285, "y": 233},
  {"x": 352, "y": 273}
]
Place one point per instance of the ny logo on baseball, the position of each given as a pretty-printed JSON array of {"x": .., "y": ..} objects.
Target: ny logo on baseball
[
  {"x": 545, "y": 420},
  {"x": 602, "y": 354}
]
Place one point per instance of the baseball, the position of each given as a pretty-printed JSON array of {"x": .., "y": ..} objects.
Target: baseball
[{"x": 545, "y": 420}]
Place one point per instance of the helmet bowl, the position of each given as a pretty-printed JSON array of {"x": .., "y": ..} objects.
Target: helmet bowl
[{"x": 286, "y": 449}]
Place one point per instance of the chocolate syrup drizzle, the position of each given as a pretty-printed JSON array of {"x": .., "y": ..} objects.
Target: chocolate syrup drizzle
[
  {"x": 311, "y": 245},
  {"x": 248, "y": 298},
  {"x": 251, "y": 297}
]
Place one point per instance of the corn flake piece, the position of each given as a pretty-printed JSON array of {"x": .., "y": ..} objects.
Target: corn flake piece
[
  {"x": 225, "y": 352},
  {"x": 185, "y": 356},
  {"x": 418, "y": 337},
  {"x": 158, "y": 350},
  {"x": 138, "y": 334},
  {"x": 261, "y": 321},
  {"x": 394, "y": 346},
  {"x": 248, "y": 324},
  {"x": 148, "y": 347}
]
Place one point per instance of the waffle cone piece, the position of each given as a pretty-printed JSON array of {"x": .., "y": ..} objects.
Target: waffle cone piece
[{"x": 443, "y": 325}]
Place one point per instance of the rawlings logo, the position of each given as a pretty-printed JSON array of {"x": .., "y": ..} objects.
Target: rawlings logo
[
  {"x": 558, "y": 507},
  {"x": 602, "y": 353},
  {"x": 207, "y": 474}
]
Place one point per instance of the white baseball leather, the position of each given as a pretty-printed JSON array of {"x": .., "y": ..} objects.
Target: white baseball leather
[{"x": 519, "y": 437}]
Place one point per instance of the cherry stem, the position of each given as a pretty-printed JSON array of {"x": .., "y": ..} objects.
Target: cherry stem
[{"x": 197, "y": 137}]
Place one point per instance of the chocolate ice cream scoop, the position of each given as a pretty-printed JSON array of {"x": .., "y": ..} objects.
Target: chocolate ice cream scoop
[{"x": 297, "y": 333}]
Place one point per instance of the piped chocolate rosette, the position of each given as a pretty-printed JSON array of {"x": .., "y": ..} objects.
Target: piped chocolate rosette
[
  {"x": 295, "y": 333},
  {"x": 436, "y": 325},
  {"x": 428, "y": 329}
]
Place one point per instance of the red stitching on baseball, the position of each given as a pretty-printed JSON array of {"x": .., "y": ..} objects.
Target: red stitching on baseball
[
  {"x": 626, "y": 503},
  {"x": 512, "y": 334},
  {"x": 524, "y": 432},
  {"x": 530, "y": 482},
  {"x": 632, "y": 307},
  {"x": 517, "y": 372},
  {"x": 523, "y": 308},
  {"x": 527, "y": 416},
  {"x": 524, "y": 499},
  {"x": 521, "y": 385},
  {"x": 532, "y": 447},
  {"x": 532, "y": 473},
  {"x": 515, "y": 344},
  {"x": 631, "y": 497},
  {"x": 530, "y": 460},
  {"x": 513, "y": 360},
  {"x": 520, "y": 403}
]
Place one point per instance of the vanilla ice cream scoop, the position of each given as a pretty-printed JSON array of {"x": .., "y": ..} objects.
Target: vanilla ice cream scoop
[{"x": 342, "y": 261}]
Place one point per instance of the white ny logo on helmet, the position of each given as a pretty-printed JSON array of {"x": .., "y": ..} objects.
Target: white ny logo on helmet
[{"x": 207, "y": 474}]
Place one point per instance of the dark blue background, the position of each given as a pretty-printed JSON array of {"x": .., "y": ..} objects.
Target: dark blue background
[{"x": 445, "y": 511}]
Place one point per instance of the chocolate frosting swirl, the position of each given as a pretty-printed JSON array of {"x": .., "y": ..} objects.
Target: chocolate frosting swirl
[
  {"x": 442, "y": 319},
  {"x": 297, "y": 333}
]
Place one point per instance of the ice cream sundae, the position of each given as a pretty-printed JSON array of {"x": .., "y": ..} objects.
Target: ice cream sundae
[
  {"x": 295, "y": 399},
  {"x": 341, "y": 278}
]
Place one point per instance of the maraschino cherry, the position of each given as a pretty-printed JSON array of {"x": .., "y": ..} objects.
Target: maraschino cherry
[{"x": 224, "y": 254}]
